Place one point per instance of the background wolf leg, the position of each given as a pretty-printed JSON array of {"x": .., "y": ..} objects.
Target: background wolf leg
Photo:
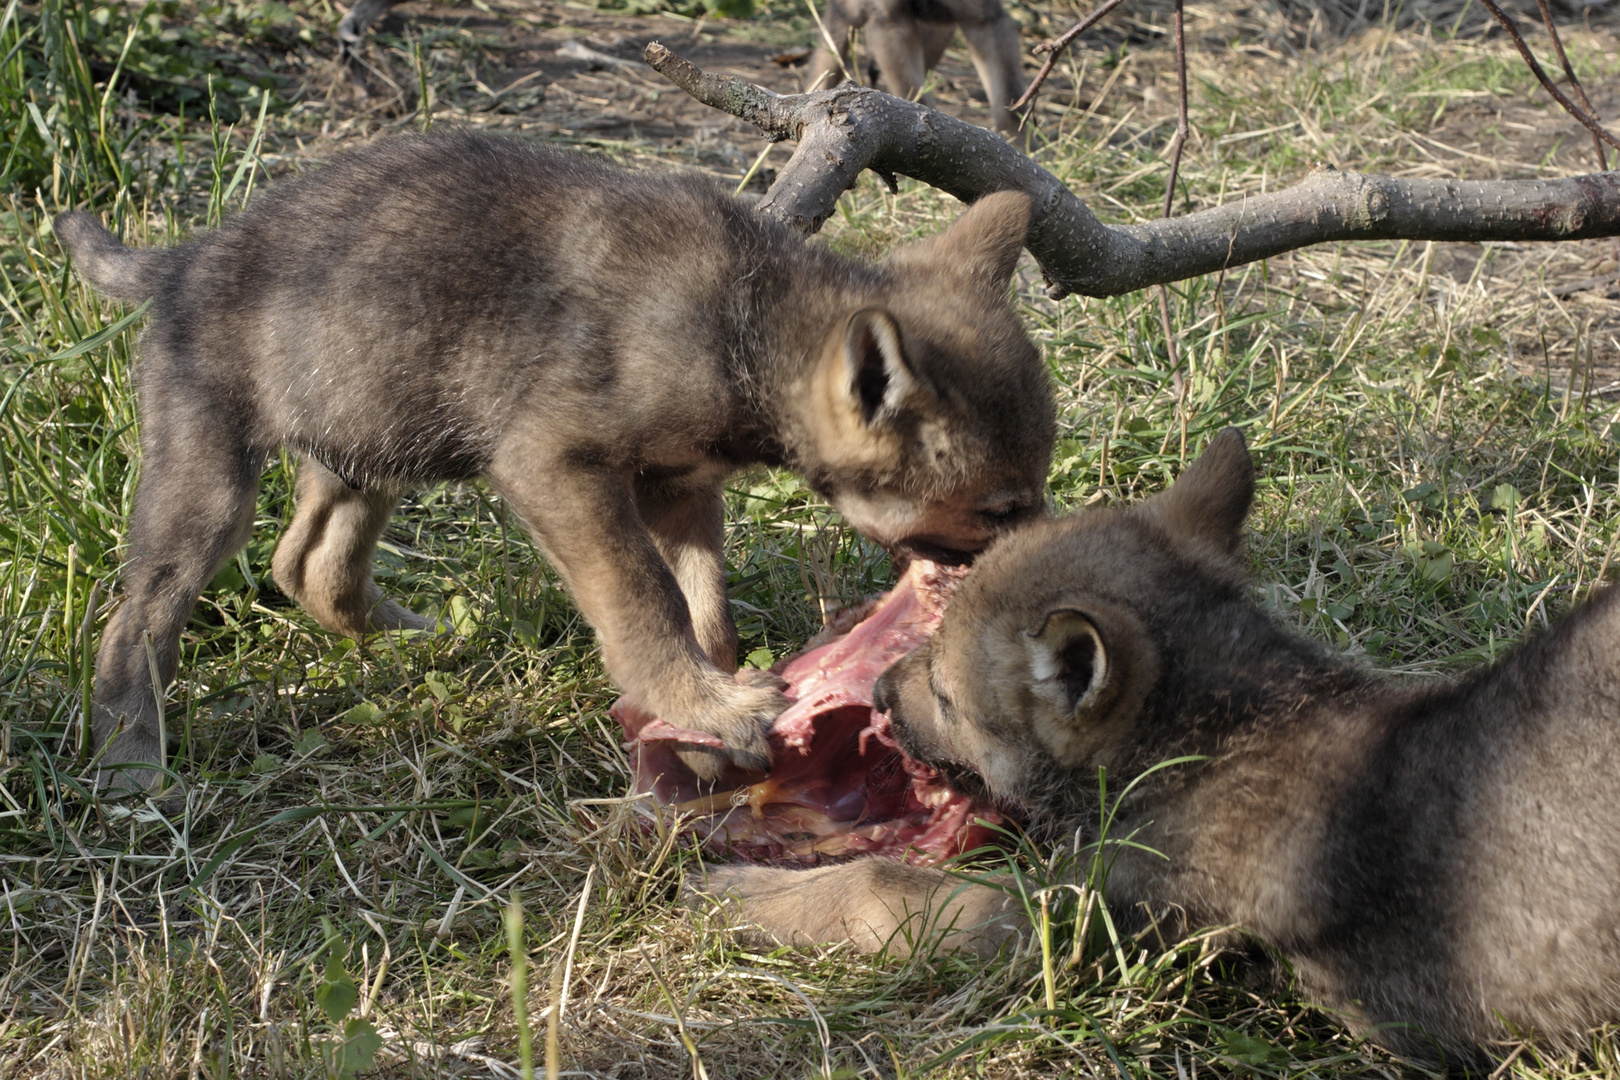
[
  {"x": 992, "y": 39},
  {"x": 904, "y": 41}
]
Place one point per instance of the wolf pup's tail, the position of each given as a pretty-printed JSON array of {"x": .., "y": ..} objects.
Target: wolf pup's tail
[{"x": 115, "y": 270}]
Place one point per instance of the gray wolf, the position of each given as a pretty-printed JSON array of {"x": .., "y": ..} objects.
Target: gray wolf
[
  {"x": 603, "y": 348},
  {"x": 1437, "y": 863}
]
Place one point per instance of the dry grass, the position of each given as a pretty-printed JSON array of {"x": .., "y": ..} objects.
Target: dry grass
[{"x": 1435, "y": 425}]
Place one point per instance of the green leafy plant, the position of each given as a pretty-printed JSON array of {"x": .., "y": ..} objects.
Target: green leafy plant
[{"x": 354, "y": 1041}]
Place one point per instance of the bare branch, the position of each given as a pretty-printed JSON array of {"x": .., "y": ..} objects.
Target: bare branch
[
  {"x": 1054, "y": 49},
  {"x": 1176, "y": 145},
  {"x": 1574, "y": 83},
  {"x": 1547, "y": 84},
  {"x": 850, "y": 128},
  {"x": 770, "y": 112}
]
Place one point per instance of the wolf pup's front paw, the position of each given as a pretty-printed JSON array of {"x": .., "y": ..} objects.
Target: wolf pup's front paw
[
  {"x": 733, "y": 887},
  {"x": 765, "y": 680},
  {"x": 767, "y": 905},
  {"x": 742, "y": 717}
]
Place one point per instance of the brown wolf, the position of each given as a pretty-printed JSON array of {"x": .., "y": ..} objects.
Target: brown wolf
[
  {"x": 906, "y": 38},
  {"x": 603, "y": 347},
  {"x": 1438, "y": 864}
]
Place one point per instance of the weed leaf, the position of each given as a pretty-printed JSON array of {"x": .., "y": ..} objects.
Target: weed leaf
[
  {"x": 336, "y": 993},
  {"x": 360, "y": 1045}
]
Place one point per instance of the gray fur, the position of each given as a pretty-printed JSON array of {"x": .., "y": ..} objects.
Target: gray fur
[
  {"x": 111, "y": 267},
  {"x": 604, "y": 347},
  {"x": 1437, "y": 863}
]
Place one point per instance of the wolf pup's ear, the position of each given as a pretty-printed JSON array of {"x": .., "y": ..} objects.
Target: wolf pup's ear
[
  {"x": 881, "y": 379},
  {"x": 982, "y": 245},
  {"x": 1068, "y": 661},
  {"x": 1210, "y": 501}
]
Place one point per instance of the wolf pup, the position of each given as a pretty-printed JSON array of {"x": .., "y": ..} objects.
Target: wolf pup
[
  {"x": 1437, "y": 864},
  {"x": 604, "y": 348},
  {"x": 906, "y": 38}
]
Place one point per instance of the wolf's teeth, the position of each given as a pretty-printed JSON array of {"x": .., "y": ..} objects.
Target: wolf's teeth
[{"x": 934, "y": 797}]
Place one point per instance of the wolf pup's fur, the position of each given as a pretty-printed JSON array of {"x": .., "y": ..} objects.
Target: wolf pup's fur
[
  {"x": 1439, "y": 864},
  {"x": 906, "y": 38},
  {"x": 604, "y": 347}
]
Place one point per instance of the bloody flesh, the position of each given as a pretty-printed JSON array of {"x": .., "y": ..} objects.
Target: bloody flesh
[{"x": 840, "y": 785}]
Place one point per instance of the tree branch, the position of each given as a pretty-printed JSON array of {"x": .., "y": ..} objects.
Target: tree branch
[
  {"x": 1055, "y": 48},
  {"x": 1574, "y": 83},
  {"x": 1586, "y": 119},
  {"x": 850, "y": 128}
]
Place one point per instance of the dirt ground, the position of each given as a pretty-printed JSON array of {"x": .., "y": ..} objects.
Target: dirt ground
[{"x": 535, "y": 86}]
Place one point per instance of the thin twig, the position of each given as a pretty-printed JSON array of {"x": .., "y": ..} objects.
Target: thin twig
[
  {"x": 1575, "y": 83},
  {"x": 843, "y": 132},
  {"x": 1570, "y": 107},
  {"x": 755, "y": 104},
  {"x": 1054, "y": 49},
  {"x": 1176, "y": 146}
]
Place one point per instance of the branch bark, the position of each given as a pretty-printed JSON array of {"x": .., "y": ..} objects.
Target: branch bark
[{"x": 850, "y": 128}]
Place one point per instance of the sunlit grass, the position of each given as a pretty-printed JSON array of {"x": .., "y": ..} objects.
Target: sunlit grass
[{"x": 1437, "y": 453}]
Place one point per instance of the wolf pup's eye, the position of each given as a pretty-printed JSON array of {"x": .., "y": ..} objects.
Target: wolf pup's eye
[{"x": 946, "y": 707}]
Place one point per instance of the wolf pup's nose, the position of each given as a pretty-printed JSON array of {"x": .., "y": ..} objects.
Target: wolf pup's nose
[
  {"x": 881, "y": 699},
  {"x": 940, "y": 553}
]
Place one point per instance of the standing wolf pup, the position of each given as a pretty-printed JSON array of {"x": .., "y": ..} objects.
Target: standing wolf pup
[
  {"x": 604, "y": 347},
  {"x": 906, "y": 38},
  {"x": 1438, "y": 864}
]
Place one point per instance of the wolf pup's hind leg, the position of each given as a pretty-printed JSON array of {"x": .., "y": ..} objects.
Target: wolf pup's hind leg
[
  {"x": 193, "y": 510},
  {"x": 323, "y": 561}
]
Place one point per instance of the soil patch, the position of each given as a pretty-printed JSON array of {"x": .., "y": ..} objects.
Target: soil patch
[{"x": 571, "y": 72}]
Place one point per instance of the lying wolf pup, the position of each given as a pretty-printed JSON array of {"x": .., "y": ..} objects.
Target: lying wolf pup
[
  {"x": 1437, "y": 863},
  {"x": 604, "y": 348}
]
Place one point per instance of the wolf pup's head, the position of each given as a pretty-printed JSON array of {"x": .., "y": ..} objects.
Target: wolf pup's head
[
  {"x": 1058, "y": 652},
  {"x": 928, "y": 413}
]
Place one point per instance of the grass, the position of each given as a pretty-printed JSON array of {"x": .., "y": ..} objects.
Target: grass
[{"x": 1434, "y": 425}]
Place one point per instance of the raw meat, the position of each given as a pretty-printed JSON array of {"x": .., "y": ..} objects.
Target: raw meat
[{"x": 840, "y": 784}]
